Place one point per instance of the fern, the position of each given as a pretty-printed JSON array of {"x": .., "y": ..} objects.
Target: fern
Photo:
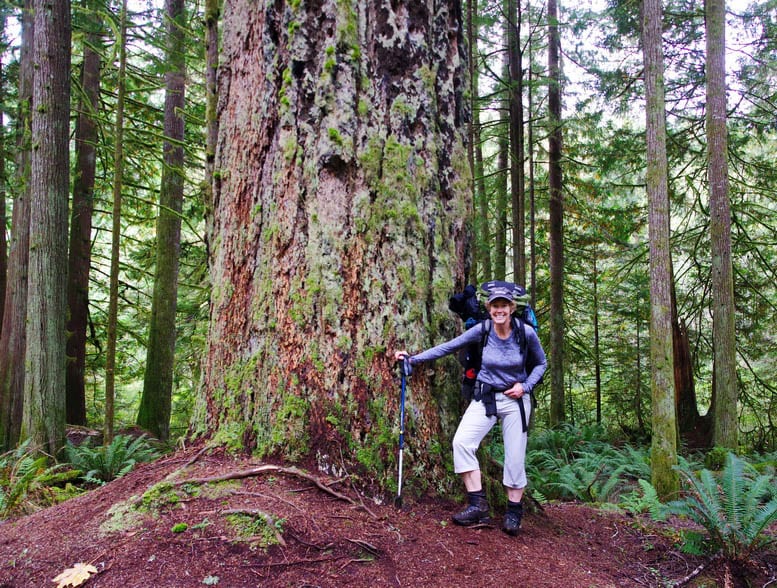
[
  {"x": 25, "y": 479},
  {"x": 107, "y": 462},
  {"x": 735, "y": 507}
]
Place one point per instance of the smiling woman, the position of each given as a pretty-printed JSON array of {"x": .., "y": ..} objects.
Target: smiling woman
[{"x": 502, "y": 392}]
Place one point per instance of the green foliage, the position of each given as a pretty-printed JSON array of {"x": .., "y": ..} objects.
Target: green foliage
[
  {"x": 179, "y": 527},
  {"x": 578, "y": 463},
  {"x": 644, "y": 500},
  {"x": 107, "y": 462},
  {"x": 27, "y": 482},
  {"x": 735, "y": 507}
]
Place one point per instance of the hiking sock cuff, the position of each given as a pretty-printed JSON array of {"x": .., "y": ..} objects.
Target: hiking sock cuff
[
  {"x": 514, "y": 506},
  {"x": 476, "y": 498}
]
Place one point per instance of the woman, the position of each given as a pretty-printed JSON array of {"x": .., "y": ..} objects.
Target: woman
[{"x": 503, "y": 382}]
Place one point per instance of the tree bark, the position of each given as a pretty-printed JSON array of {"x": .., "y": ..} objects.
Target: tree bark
[
  {"x": 43, "y": 419},
  {"x": 156, "y": 400},
  {"x": 79, "y": 261},
  {"x": 517, "y": 173},
  {"x": 118, "y": 182},
  {"x": 556, "y": 220},
  {"x": 664, "y": 442},
  {"x": 341, "y": 201},
  {"x": 723, "y": 333},
  {"x": 14, "y": 335}
]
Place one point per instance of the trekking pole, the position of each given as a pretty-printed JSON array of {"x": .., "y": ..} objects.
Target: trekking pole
[{"x": 406, "y": 370}]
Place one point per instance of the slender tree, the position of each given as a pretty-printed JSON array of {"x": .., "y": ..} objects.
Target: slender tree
[
  {"x": 664, "y": 441},
  {"x": 156, "y": 400},
  {"x": 556, "y": 210},
  {"x": 43, "y": 418},
  {"x": 118, "y": 183},
  {"x": 3, "y": 174},
  {"x": 79, "y": 262},
  {"x": 14, "y": 335},
  {"x": 212, "y": 12},
  {"x": 723, "y": 335},
  {"x": 517, "y": 156},
  {"x": 341, "y": 199}
]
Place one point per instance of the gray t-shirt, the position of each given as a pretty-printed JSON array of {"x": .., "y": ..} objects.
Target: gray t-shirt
[{"x": 503, "y": 363}]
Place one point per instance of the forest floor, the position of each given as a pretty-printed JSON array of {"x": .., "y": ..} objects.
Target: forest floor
[{"x": 324, "y": 534}]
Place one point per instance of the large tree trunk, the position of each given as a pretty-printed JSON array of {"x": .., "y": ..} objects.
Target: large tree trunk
[
  {"x": 664, "y": 445},
  {"x": 80, "y": 258},
  {"x": 723, "y": 334},
  {"x": 43, "y": 419},
  {"x": 341, "y": 202},
  {"x": 14, "y": 336},
  {"x": 156, "y": 400},
  {"x": 556, "y": 220}
]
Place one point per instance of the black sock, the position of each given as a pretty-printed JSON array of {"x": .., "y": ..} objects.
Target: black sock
[
  {"x": 514, "y": 506},
  {"x": 477, "y": 496}
]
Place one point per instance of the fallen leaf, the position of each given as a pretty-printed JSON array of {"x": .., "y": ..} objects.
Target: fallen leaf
[{"x": 75, "y": 576}]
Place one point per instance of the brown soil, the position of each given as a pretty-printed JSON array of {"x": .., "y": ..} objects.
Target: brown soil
[{"x": 332, "y": 537}]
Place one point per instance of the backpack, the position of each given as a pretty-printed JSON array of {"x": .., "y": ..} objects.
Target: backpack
[{"x": 472, "y": 311}]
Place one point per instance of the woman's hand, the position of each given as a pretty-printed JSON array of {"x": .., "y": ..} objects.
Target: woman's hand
[
  {"x": 515, "y": 392},
  {"x": 400, "y": 355}
]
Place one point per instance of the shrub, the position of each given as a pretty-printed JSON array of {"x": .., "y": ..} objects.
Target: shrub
[
  {"x": 26, "y": 481},
  {"x": 106, "y": 462},
  {"x": 735, "y": 507}
]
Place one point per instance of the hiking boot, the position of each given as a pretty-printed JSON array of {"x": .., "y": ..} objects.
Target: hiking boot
[
  {"x": 512, "y": 520},
  {"x": 476, "y": 512}
]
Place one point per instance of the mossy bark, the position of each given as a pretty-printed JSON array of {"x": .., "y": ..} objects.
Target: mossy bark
[
  {"x": 43, "y": 419},
  {"x": 341, "y": 211},
  {"x": 664, "y": 441},
  {"x": 156, "y": 400}
]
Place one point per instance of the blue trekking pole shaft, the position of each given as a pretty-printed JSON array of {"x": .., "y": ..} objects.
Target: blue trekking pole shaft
[{"x": 405, "y": 369}]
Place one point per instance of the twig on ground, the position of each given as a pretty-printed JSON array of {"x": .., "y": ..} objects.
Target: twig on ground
[
  {"x": 239, "y": 475},
  {"x": 699, "y": 569}
]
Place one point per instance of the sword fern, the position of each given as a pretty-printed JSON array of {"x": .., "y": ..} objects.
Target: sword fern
[{"x": 735, "y": 507}]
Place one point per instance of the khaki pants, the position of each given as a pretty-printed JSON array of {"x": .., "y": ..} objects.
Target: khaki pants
[{"x": 475, "y": 425}]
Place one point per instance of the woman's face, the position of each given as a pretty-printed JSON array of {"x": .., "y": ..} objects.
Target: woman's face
[{"x": 500, "y": 311}]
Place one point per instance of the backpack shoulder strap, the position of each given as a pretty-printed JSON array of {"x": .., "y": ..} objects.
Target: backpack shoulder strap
[
  {"x": 485, "y": 331},
  {"x": 519, "y": 332}
]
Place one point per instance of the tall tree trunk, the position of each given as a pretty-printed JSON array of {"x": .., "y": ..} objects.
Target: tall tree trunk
[
  {"x": 80, "y": 259},
  {"x": 3, "y": 189},
  {"x": 118, "y": 182},
  {"x": 597, "y": 350},
  {"x": 14, "y": 335},
  {"x": 499, "y": 257},
  {"x": 723, "y": 334},
  {"x": 517, "y": 173},
  {"x": 43, "y": 420},
  {"x": 556, "y": 218},
  {"x": 664, "y": 445},
  {"x": 471, "y": 129},
  {"x": 155, "y": 403},
  {"x": 341, "y": 201},
  {"x": 212, "y": 12}
]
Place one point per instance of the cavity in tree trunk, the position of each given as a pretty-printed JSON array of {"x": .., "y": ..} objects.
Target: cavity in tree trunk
[
  {"x": 341, "y": 204},
  {"x": 43, "y": 420},
  {"x": 155, "y": 403},
  {"x": 664, "y": 438}
]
